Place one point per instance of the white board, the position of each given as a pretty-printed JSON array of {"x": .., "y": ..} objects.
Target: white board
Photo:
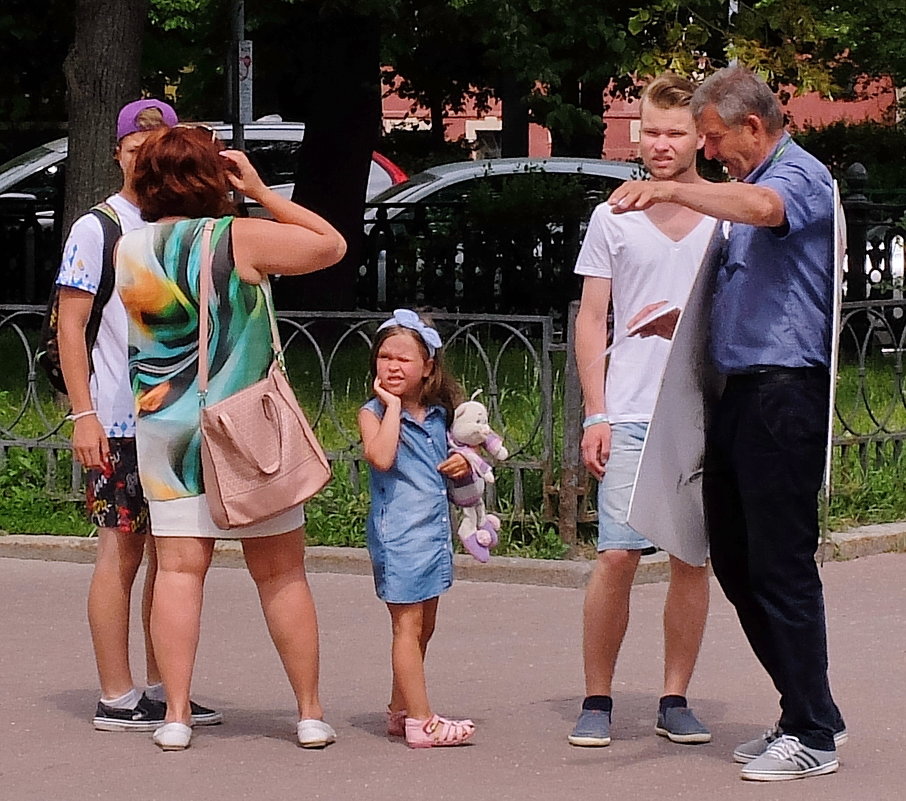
[
  {"x": 667, "y": 505},
  {"x": 839, "y": 260}
]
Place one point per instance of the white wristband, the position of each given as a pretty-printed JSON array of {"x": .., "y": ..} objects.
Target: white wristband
[
  {"x": 80, "y": 415},
  {"x": 594, "y": 419}
]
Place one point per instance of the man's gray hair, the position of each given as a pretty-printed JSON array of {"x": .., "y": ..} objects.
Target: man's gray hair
[{"x": 735, "y": 93}]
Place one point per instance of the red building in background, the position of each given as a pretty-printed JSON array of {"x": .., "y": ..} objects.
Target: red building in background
[{"x": 622, "y": 120}]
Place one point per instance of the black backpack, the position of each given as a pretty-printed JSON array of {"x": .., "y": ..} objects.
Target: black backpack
[{"x": 48, "y": 355}]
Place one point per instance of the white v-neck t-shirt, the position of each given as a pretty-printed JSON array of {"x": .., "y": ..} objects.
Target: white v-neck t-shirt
[{"x": 645, "y": 266}]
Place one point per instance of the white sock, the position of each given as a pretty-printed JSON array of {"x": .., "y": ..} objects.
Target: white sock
[
  {"x": 127, "y": 701},
  {"x": 156, "y": 692}
]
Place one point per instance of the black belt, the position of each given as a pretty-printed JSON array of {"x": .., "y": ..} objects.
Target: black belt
[{"x": 776, "y": 375}]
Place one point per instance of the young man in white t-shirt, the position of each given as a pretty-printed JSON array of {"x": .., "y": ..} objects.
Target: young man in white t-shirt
[
  {"x": 638, "y": 261},
  {"x": 103, "y": 442}
]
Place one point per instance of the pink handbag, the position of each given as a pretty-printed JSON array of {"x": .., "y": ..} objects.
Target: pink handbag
[{"x": 259, "y": 455}]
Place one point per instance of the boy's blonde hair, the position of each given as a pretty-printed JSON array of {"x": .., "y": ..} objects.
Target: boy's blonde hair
[
  {"x": 148, "y": 119},
  {"x": 668, "y": 90}
]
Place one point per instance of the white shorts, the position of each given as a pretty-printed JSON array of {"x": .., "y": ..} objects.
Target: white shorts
[{"x": 190, "y": 517}]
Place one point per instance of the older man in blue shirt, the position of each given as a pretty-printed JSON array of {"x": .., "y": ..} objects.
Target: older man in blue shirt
[{"x": 770, "y": 336}]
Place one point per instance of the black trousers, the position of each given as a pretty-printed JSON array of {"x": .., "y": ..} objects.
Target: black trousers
[{"x": 764, "y": 465}]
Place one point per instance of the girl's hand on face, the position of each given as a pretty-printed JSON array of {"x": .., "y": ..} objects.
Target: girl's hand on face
[
  {"x": 388, "y": 399},
  {"x": 455, "y": 466},
  {"x": 242, "y": 174}
]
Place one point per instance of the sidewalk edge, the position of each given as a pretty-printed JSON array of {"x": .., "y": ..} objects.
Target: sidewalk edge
[{"x": 842, "y": 546}]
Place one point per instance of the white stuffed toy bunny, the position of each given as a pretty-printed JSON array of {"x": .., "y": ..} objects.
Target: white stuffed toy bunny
[{"x": 468, "y": 434}]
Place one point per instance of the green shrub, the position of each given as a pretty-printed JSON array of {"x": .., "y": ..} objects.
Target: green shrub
[{"x": 879, "y": 148}]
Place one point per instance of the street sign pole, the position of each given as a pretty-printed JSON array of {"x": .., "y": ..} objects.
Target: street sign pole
[{"x": 238, "y": 35}]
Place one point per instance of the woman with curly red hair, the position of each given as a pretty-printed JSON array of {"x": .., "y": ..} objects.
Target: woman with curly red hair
[{"x": 182, "y": 179}]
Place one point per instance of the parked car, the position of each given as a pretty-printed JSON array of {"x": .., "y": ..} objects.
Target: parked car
[
  {"x": 271, "y": 144},
  {"x": 492, "y": 235},
  {"x": 447, "y": 183},
  {"x": 31, "y": 189}
]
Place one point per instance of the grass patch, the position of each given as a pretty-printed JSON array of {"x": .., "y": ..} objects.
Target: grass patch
[
  {"x": 866, "y": 490},
  {"x": 865, "y": 494},
  {"x": 26, "y": 506}
]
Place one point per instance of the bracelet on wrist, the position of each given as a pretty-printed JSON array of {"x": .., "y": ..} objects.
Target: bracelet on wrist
[
  {"x": 79, "y": 415},
  {"x": 594, "y": 419}
]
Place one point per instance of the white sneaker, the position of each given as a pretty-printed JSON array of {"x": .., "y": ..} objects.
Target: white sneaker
[{"x": 315, "y": 733}]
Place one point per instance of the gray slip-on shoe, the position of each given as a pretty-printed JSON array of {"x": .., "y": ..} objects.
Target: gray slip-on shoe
[{"x": 592, "y": 729}]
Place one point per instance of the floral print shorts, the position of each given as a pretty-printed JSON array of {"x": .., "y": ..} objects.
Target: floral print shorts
[{"x": 114, "y": 493}]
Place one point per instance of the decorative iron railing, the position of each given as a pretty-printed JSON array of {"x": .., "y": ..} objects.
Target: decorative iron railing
[
  {"x": 531, "y": 388},
  {"x": 508, "y": 357}
]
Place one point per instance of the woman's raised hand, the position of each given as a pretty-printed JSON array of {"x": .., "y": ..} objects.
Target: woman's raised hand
[{"x": 243, "y": 175}]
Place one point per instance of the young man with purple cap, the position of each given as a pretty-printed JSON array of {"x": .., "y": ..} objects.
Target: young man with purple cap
[{"x": 103, "y": 437}]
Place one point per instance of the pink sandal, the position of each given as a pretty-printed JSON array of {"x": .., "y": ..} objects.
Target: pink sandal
[
  {"x": 396, "y": 723},
  {"x": 437, "y": 731}
]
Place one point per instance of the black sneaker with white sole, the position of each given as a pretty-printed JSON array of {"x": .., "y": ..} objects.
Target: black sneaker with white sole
[{"x": 148, "y": 715}]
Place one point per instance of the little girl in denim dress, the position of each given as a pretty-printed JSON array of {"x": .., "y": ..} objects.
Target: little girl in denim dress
[{"x": 404, "y": 434}]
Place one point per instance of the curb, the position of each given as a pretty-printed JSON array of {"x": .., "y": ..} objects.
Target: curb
[{"x": 841, "y": 546}]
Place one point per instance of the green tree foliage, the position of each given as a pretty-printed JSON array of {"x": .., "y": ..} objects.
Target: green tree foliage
[
  {"x": 434, "y": 59},
  {"x": 186, "y": 45},
  {"x": 815, "y": 45},
  {"x": 32, "y": 102},
  {"x": 874, "y": 33},
  {"x": 879, "y": 148}
]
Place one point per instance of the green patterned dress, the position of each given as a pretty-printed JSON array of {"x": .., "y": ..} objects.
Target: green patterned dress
[{"x": 157, "y": 277}]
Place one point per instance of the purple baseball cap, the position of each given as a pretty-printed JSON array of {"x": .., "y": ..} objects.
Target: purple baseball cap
[{"x": 126, "y": 122}]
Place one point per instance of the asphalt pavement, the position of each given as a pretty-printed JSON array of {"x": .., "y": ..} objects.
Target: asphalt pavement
[{"x": 506, "y": 655}]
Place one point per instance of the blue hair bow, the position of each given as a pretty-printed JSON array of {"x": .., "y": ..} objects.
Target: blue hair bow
[{"x": 409, "y": 319}]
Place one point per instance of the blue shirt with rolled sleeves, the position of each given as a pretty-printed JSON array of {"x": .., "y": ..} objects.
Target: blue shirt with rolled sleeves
[{"x": 773, "y": 296}]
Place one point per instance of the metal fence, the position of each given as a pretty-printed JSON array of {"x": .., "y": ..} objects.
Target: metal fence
[
  {"x": 508, "y": 357},
  {"x": 521, "y": 361},
  {"x": 441, "y": 254}
]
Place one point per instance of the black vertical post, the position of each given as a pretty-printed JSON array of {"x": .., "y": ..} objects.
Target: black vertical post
[
  {"x": 856, "y": 208},
  {"x": 237, "y": 35}
]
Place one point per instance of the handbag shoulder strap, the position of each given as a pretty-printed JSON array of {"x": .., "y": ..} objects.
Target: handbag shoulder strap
[
  {"x": 276, "y": 344},
  {"x": 205, "y": 280}
]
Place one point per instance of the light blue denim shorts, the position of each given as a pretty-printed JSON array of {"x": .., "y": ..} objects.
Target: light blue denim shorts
[{"x": 615, "y": 489}]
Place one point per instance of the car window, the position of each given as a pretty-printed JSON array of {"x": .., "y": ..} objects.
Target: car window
[
  {"x": 274, "y": 160},
  {"x": 577, "y": 193},
  {"x": 505, "y": 242},
  {"x": 389, "y": 194},
  {"x": 25, "y": 159},
  {"x": 45, "y": 185}
]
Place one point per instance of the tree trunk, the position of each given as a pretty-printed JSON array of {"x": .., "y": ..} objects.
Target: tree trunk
[
  {"x": 583, "y": 140},
  {"x": 103, "y": 73},
  {"x": 342, "y": 127},
  {"x": 438, "y": 127},
  {"x": 591, "y": 143},
  {"x": 514, "y": 139}
]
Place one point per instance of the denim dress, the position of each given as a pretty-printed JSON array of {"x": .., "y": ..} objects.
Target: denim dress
[{"x": 409, "y": 533}]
